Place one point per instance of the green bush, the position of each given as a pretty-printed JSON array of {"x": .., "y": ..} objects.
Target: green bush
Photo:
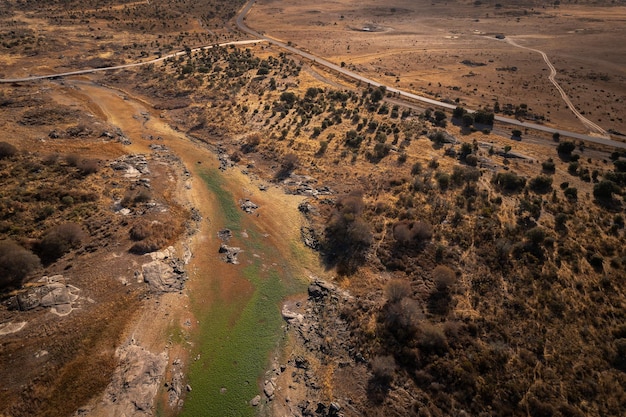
[{"x": 509, "y": 181}]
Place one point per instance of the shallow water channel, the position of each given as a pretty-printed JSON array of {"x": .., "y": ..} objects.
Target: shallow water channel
[{"x": 238, "y": 310}]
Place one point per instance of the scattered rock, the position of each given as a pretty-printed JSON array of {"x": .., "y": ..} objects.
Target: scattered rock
[
  {"x": 54, "y": 294},
  {"x": 289, "y": 315},
  {"x": 316, "y": 292},
  {"x": 10, "y": 327},
  {"x": 165, "y": 273},
  {"x": 224, "y": 235},
  {"x": 306, "y": 207},
  {"x": 255, "y": 401},
  {"x": 225, "y": 161},
  {"x": 135, "y": 381},
  {"x": 309, "y": 237},
  {"x": 301, "y": 362},
  {"x": 268, "y": 389},
  {"x": 229, "y": 253},
  {"x": 248, "y": 206}
]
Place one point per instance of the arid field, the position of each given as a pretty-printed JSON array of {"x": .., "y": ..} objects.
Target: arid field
[{"x": 237, "y": 230}]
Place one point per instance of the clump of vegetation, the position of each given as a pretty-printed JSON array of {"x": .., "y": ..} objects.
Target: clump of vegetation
[
  {"x": 509, "y": 182},
  {"x": 347, "y": 235},
  {"x": 59, "y": 240},
  {"x": 7, "y": 150},
  {"x": 150, "y": 236},
  {"x": 16, "y": 263}
]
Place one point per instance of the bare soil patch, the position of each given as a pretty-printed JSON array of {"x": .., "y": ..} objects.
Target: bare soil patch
[{"x": 424, "y": 44}]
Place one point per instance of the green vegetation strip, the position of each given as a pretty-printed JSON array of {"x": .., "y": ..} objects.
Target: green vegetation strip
[
  {"x": 237, "y": 335},
  {"x": 234, "y": 354},
  {"x": 232, "y": 213}
]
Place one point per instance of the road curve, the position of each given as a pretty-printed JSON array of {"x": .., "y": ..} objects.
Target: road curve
[
  {"x": 136, "y": 64},
  {"x": 406, "y": 95},
  {"x": 552, "y": 78}
]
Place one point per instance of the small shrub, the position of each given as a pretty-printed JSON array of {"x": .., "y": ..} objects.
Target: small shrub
[
  {"x": 443, "y": 180},
  {"x": 143, "y": 247},
  {"x": 72, "y": 159},
  {"x": 383, "y": 368},
  {"x": 444, "y": 277},
  {"x": 548, "y": 166},
  {"x": 571, "y": 193},
  {"x": 397, "y": 289},
  {"x": 15, "y": 263},
  {"x": 509, "y": 181},
  {"x": 432, "y": 340},
  {"x": 143, "y": 196},
  {"x": 541, "y": 184},
  {"x": 407, "y": 232},
  {"x": 140, "y": 230},
  {"x": 401, "y": 319},
  {"x": 565, "y": 148},
  {"x": 59, "y": 240},
  {"x": 7, "y": 150},
  {"x": 416, "y": 169},
  {"x": 604, "y": 190},
  {"x": 87, "y": 166}
]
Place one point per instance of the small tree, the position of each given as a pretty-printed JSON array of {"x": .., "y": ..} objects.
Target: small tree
[
  {"x": 565, "y": 148},
  {"x": 458, "y": 112},
  {"x": 604, "y": 190},
  {"x": 397, "y": 289}
]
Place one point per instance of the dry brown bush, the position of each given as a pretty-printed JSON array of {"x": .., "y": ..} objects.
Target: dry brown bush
[
  {"x": 432, "y": 339},
  {"x": 397, "y": 289},
  {"x": 59, "y": 240},
  {"x": 152, "y": 235},
  {"x": 141, "y": 230},
  {"x": 72, "y": 159},
  {"x": 408, "y": 231},
  {"x": 7, "y": 150},
  {"x": 402, "y": 318},
  {"x": 15, "y": 263},
  {"x": 383, "y": 368},
  {"x": 444, "y": 277},
  {"x": 88, "y": 166}
]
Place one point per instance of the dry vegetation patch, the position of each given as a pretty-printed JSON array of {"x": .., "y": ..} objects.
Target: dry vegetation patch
[{"x": 485, "y": 274}]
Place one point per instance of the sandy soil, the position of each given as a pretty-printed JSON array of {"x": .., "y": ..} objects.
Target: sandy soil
[{"x": 420, "y": 46}]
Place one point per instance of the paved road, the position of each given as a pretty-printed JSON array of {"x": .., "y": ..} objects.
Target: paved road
[
  {"x": 136, "y": 64},
  {"x": 240, "y": 20}
]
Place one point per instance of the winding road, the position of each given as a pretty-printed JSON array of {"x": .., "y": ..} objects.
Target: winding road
[
  {"x": 240, "y": 21},
  {"x": 552, "y": 77},
  {"x": 123, "y": 66},
  {"x": 399, "y": 94}
]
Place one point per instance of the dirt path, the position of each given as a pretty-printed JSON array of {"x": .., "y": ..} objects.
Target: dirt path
[{"x": 552, "y": 78}]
